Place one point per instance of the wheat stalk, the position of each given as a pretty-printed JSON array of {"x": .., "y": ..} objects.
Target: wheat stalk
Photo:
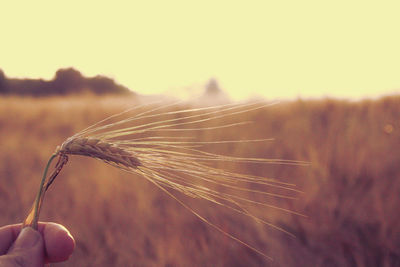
[{"x": 173, "y": 162}]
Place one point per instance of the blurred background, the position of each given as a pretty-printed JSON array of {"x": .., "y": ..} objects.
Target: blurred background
[
  {"x": 284, "y": 49},
  {"x": 333, "y": 67}
]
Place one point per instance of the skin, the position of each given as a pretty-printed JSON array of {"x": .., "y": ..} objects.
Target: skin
[{"x": 50, "y": 243}]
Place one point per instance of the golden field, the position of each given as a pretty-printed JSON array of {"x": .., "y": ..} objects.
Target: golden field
[{"x": 351, "y": 189}]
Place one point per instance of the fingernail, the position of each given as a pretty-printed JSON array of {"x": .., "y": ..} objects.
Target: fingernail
[{"x": 27, "y": 238}]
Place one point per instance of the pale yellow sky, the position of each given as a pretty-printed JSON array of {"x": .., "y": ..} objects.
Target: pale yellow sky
[{"x": 277, "y": 49}]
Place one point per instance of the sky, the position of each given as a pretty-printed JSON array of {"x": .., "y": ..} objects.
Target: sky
[{"x": 276, "y": 49}]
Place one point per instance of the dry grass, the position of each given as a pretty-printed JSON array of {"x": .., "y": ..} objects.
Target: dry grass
[
  {"x": 174, "y": 162},
  {"x": 351, "y": 190}
]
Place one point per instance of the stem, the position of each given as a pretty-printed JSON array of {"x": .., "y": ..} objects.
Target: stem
[{"x": 33, "y": 217}]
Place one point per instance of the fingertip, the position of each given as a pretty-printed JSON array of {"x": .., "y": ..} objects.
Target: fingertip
[{"x": 59, "y": 242}]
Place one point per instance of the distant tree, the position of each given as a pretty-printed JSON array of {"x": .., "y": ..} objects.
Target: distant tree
[
  {"x": 3, "y": 82},
  {"x": 212, "y": 88},
  {"x": 102, "y": 85},
  {"x": 68, "y": 81},
  {"x": 213, "y": 94}
]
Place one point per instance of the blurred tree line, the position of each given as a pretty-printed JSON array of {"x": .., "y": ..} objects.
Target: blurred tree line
[{"x": 66, "y": 81}]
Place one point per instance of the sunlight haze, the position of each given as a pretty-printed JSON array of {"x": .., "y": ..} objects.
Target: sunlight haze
[{"x": 276, "y": 49}]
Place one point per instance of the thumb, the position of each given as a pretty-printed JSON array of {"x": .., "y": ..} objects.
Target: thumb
[{"x": 27, "y": 250}]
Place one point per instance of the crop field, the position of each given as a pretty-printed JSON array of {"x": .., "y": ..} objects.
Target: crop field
[{"x": 350, "y": 190}]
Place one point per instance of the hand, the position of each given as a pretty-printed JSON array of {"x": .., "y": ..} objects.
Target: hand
[{"x": 28, "y": 247}]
